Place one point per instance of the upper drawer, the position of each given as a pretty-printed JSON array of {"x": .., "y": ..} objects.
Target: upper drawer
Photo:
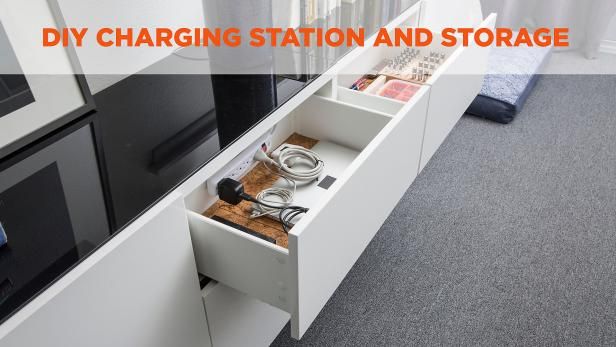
[
  {"x": 328, "y": 240},
  {"x": 423, "y": 70},
  {"x": 453, "y": 85}
]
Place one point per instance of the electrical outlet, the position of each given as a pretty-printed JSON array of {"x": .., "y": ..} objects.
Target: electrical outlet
[
  {"x": 242, "y": 168},
  {"x": 239, "y": 166}
]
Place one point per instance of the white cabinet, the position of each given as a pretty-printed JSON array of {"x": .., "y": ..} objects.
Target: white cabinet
[
  {"x": 395, "y": 141},
  {"x": 235, "y": 319},
  {"x": 138, "y": 290}
]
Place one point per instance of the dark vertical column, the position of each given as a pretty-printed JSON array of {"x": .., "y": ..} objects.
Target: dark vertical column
[
  {"x": 241, "y": 101},
  {"x": 243, "y": 77}
]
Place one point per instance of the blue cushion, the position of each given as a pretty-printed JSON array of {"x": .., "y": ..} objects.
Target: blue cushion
[
  {"x": 510, "y": 78},
  {"x": 2, "y": 236}
]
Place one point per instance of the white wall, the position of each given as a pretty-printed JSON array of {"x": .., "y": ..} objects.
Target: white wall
[
  {"x": 608, "y": 40},
  {"x": 611, "y": 32},
  {"x": 141, "y": 13}
]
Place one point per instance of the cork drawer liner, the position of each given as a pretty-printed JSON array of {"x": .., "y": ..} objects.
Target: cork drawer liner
[{"x": 256, "y": 180}]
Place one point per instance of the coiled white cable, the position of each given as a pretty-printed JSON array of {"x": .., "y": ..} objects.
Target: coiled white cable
[
  {"x": 286, "y": 159},
  {"x": 277, "y": 201},
  {"x": 272, "y": 200},
  {"x": 290, "y": 156}
]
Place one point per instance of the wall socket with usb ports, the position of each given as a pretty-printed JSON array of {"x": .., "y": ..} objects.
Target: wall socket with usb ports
[{"x": 240, "y": 165}]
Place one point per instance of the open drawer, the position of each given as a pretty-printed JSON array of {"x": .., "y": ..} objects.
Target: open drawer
[{"x": 325, "y": 244}]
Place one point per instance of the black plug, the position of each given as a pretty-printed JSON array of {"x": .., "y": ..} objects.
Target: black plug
[{"x": 231, "y": 191}]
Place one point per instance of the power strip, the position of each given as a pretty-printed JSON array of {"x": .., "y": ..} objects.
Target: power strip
[{"x": 240, "y": 165}]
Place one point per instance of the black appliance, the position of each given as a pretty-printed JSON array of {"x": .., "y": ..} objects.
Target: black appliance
[{"x": 156, "y": 130}]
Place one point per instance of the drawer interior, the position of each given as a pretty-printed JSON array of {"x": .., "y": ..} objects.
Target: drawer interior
[
  {"x": 317, "y": 122},
  {"x": 251, "y": 263},
  {"x": 258, "y": 179}
]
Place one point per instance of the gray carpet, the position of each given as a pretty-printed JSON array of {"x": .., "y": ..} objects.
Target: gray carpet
[{"x": 507, "y": 237}]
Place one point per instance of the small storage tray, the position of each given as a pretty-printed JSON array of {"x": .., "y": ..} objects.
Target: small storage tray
[
  {"x": 366, "y": 63},
  {"x": 452, "y": 87}
]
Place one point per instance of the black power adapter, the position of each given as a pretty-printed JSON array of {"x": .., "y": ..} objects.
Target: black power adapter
[{"x": 232, "y": 192}]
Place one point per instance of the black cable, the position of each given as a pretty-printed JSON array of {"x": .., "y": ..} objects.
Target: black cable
[
  {"x": 285, "y": 219},
  {"x": 251, "y": 199}
]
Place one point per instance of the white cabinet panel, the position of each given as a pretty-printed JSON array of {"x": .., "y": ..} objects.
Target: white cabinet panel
[
  {"x": 236, "y": 319},
  {"x": 394, "y": 139},
  {"x": 138, "y": 290}
]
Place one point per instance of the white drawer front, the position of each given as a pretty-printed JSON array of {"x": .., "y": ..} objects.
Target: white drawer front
[
  {"x": 247, "y": 264},
  {"x": 324, "y": 248},
  {"x": 453, "y": 89}
]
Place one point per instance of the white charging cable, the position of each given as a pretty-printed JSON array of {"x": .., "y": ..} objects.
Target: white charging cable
[
  {"x": 287, "y": 158},
  {"x": 270, "y": 201}
]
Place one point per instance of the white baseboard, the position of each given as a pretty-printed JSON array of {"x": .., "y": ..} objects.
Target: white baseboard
[{"x": 608, "y": 46}]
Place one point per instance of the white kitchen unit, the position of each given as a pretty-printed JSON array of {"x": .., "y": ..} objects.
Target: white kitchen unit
[
  {"x": 141, "y": 288},
  {"x": 300, "y": 279}
]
